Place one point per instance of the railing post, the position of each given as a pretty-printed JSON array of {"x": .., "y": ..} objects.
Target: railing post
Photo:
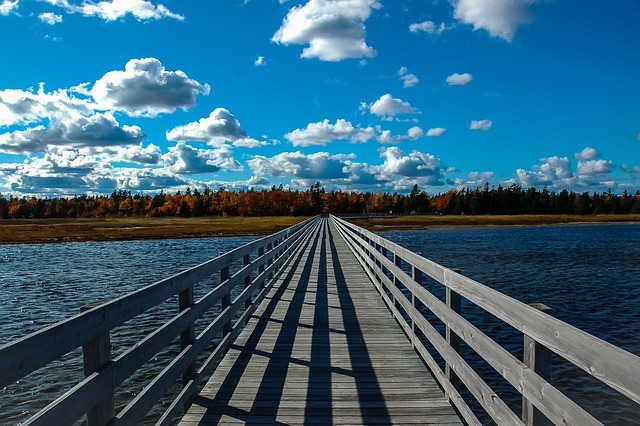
[
  {"x": 416, "y": 274},
  {"x": 226, "y": 299},
  {"x": 261, "y": 268},
  {"x": 185, "y": 300},
  {"x": 398, "y": 262},
  {"x": 96, "y": 354},
  {"x": 454, "y": 303},
  {"x": 538, "y": 358},
  {"x": 270, "y": 261},
  {"x": 246, "y": 260}
]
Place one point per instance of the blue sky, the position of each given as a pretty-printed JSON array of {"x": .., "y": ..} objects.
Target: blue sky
[{"x": 361, "y": 95}]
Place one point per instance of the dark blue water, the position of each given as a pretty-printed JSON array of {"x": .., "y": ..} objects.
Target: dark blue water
[
  {"x": 588, "y": 274},
  {"x": 41, "y": 284}
]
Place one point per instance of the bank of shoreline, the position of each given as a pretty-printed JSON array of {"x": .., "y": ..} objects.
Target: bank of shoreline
[{"x": 31, "y": 231}]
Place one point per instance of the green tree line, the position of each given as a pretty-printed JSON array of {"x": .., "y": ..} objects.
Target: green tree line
[{"x": 285, "y": 202}]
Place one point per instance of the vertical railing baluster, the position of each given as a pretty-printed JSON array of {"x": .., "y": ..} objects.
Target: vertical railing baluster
[
  {"x": 453, "y": 300},
  {"x": 270, "y": 261},
  {"x": 246, "y": 261},
  {"x": 538, "y": 358},
  {"x": 416, "y": 275},
  {"x": 261, "y": 268},
  {"x": 226, "y": 299},
  {"x": 96, "y": 354},
  {"x": 185, "y": 301},
  {"x": 396, "y": 281}
]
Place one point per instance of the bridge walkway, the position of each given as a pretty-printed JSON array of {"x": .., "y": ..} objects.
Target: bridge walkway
[{"x": 322, "y": 349}]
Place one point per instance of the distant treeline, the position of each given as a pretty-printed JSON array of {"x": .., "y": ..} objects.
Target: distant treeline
[{"x": 284, "y": 202}]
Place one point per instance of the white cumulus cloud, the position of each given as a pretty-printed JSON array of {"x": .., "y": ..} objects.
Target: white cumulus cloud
[
  {"x": 481, "y": 124},
  {"x": 333, "y": 29},
  {"x": 50, "y": 18},
  {"x": 220, "y": 127},
  {"x": 595, "y": 167},
  {"x": 408, "y": 80},
  {"x": 428, "y": 27},
  {"x": 319, "y": 165},
  {"x": 501, "y": 18},
  {"x": 456, "y": 79},
  {"x": 260, "y": 61},
  {"x": 587, "y": 154},
  {"x": 6, "y": 7},
  {"x": 145, "y": 87},
  {"x": 388, "y": 107},
  {"x": 323, "y": 132},
  {"x": 112, "y": 10},
  {"x": 436, "y": 131},
  {"x": 185, "y": 159}
]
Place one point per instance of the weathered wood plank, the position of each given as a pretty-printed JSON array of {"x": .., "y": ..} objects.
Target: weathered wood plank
[{"x": 322, "y": 349}]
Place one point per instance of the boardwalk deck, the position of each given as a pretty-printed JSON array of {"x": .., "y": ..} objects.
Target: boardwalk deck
[{"x": 322, "y": 349}]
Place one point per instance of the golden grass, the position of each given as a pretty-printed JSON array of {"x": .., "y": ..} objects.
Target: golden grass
[
  {"x": 64, "y": 230},
  {"x": 424, "y": 222}
]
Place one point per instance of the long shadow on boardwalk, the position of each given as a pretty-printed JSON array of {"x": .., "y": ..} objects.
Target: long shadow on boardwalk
[{"x": 318, "y": 407}]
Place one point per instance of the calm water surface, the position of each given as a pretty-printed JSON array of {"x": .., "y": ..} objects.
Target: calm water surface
[{"x": 589, "y": 275}]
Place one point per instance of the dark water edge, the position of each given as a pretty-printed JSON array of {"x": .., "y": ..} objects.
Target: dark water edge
[{"x": 588, "y": 274}]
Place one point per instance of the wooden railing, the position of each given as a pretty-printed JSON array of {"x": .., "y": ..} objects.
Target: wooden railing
[
  {"x": 261, "y": 261},
  {"x": 404, "y": 294}
]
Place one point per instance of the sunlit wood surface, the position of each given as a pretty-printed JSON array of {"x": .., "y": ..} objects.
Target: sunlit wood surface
[{"x": 322, "y": 349}]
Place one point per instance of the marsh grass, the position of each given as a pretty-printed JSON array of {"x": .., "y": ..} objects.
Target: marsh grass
[
  {"x": 68, "y": 230},
  {"x": 425, "y": 222}
]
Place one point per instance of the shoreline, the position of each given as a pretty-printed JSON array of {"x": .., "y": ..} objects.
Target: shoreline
[{"x": 42, "y": 231}]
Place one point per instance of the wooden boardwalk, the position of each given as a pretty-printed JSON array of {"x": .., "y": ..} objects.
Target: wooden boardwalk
[{"x": 322, "y": 349}]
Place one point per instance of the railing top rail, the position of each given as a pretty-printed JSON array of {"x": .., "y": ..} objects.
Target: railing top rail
[
  {"x": 17, "y": 358},
  {"x": 608, "y": 363}
]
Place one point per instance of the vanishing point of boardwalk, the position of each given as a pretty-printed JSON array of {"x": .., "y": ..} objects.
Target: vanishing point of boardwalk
[{"x": 322, "y": 349}]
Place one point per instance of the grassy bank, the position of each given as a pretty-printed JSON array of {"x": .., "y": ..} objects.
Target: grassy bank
[
  {"x": 425, "y": 222},
  {"x": 65, "y": 230}
]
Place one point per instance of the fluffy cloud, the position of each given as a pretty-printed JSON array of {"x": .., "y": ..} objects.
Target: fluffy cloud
[
  {"x": 148, "y": 179},
  {"x": 416, "y": 164},
  {"x": 481, "y": 124},
  {"x": 220, "y": 127},
  {"x": 112, "y": 10},
  {"x": 6, "y": 7},
  {"x": 323, "y": 132},
  {"x": 21, "y": 107},
  {"x": 146, "y": 88},
  {"x": 98, "y": 130},
  {"x": 500, "y": 18},
  {"x": 587, "y": 154},
  {"x": 61, "y": 171},
  {"x": 594, "y": 167},
  {"x": 456, "y": 79},
  {"x": 408, "y": 80},
  {"x": 260, "y": 61},
  {"x": 388, "y": 107},
  {"x": 552, "y": 169},
  {"x": 334, "y": 30},
  {"x": 436, "y": 131},
  {"x": 627, "y": 169},
  {"x": 50, "y": 18},
  {"x": 319, "y": 165},
  {"x": 138, "y": 154},
  {"x": 428, "y": 27},
  {"x": 385, "y": 136},
  {"x": 478, "y": 176},
  {"x": 185, "y": 159}
]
